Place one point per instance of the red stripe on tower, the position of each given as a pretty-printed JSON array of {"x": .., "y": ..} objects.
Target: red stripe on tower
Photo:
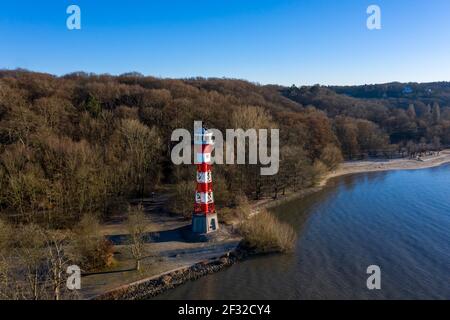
[
  {"x": 203, "y": 167},
  {"x": 204, "y": 187}
]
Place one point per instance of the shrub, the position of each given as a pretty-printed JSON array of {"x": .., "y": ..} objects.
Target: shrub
[
  {"x": 331, "y": 156},
  {"x": 319, "y": 170},
  {"x": 222, "y": 196},
  {"x": 227, "y": 215},
  {"x": 6, "y": 233},
  {"x": 92, "y": 250},
  {"x": 183, "y": 200},
  {"x": 239, "y": 212},
  {"x": 265, "y": 233},
  {"x": 243, "y": 206}
]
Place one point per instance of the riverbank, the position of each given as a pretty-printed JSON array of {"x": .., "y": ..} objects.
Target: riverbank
[
  {"x": 355, "y": 167},
  {"x": 176, "y": 260},
  {"x": 152, "y": 286},
  {"x": 352, "y": 167}
]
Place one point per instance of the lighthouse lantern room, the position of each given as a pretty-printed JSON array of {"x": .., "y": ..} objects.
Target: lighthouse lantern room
[{"x": 204, "y": 218}]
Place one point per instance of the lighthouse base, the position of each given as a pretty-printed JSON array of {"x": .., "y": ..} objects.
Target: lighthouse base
[{"x": 202, "y": 223}]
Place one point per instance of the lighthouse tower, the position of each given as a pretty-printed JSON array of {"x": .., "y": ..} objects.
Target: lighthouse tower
[{"x": 204, "y": 219}]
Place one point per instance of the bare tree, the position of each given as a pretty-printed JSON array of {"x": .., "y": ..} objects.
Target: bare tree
[
  {"x": 33, "y": 262},
  {"x": 30, "y": 245},
  {"x": 5, "y": 263},
  {"x": 137, "y": 225},
  {"x": 57, "y": 260},
  {"x": 142, "y": 145}
]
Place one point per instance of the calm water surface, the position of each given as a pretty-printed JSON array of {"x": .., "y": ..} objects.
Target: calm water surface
[{"x": 398, "y": 220}]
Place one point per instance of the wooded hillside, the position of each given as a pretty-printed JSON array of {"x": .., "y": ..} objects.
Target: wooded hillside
[{"x": 85, "y": 143}]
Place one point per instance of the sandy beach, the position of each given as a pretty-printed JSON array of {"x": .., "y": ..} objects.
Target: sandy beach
[{"x": 352, "y": 167}]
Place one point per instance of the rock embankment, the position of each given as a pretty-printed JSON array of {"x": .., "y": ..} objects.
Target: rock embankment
[{"x": 150, "y": 287}]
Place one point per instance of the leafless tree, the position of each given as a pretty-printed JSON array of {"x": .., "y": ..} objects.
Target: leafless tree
[
  {"x": 57, "y": 260},
  {"x": 137, "y": 226}
]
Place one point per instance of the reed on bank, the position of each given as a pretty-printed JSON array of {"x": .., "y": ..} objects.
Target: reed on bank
[{"x": 265, "y": 233}]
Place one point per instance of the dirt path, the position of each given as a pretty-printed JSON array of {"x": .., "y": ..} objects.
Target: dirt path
[{"x": 170, "y": 247}]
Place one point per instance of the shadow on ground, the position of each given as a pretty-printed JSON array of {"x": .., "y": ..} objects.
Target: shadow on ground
[{"x": 180, "y": 234}]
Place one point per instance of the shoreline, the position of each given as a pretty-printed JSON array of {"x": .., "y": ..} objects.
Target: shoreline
[
  {"x": 364, "y": 166},
  {"x": 356, "y": 167},
  {"x": 152, "y": 286}
]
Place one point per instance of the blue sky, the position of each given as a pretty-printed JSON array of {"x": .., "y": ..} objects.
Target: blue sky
[{"x": 266, "y": 41}]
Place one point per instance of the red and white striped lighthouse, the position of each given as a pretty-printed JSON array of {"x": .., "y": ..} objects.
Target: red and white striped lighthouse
[{"x": 204, "y": 219}]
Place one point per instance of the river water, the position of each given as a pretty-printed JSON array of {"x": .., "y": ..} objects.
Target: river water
[{"x": 398, "y": 220}]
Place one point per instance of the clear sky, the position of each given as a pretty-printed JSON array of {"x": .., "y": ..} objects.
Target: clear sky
[{"x": 266, "y": 41}]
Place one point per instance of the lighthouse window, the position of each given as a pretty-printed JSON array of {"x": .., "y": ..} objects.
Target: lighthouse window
[
  {"x": 212, "y": 224},
  {"x": 204, "y": 177},
  {"x": 210, "y": 197}
]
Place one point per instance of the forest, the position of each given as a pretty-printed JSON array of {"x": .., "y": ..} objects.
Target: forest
[{"x": 76, "y": 148}]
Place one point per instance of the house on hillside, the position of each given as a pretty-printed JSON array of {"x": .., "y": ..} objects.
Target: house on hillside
[{"x": 407, "y": 90}]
